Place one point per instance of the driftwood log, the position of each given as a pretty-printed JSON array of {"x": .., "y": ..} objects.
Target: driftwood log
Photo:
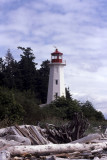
[
  {"x": 69, "y": 132},
  {"x": 71, "y": 150},
  {"x": 4, "y": 155},
  {"x": 35, "y": 135},
  {"x": 88, "y": 139},
  {"x": 55, "y": 148},
  {"x": 64, "y": 141}
]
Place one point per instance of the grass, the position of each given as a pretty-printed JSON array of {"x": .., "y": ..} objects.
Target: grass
[{"x": 96, "y": 127}]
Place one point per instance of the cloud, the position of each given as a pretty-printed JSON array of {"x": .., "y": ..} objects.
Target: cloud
[{"x": 6, "y": 1}]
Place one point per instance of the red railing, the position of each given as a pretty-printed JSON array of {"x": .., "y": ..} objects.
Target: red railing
[{"x": 56, "y": 60}]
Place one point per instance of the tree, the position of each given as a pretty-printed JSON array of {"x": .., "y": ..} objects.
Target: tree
[
  {"x": 62, "y": 108},
  {"x": 1, "y": 72},
  {"x": 99, "y": 116},
  {"x": 42, "y": 81},
  {"x": 90, "y": 112},
  {"x": 30, "y": 105},
  {"x": 27, "y": 70},
  {"x": 68, "y": 95},
  {"x": 73, "y": 108},
  {"x": 9, "y": 108},
  {"x": 9, "y": 57},
  {"x": 9, "y": 70},
  {"x": 1, "y": 65}
]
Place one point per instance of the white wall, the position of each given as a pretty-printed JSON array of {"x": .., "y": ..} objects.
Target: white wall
[{"x": 56, "y": 73}]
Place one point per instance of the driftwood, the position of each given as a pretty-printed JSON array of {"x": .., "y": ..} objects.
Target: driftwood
[
  {"x": 88, "y": 138},
  {"x": 35, "y": 135},
  {"x": 26, "y": 134},
  {"x": 72, "y": 150},
  {"x": 4, "y": 155},
  {"x": 66, "y": 133},
  {"x": 52, "y": 142},
  {"x": 55, "y": 148}
]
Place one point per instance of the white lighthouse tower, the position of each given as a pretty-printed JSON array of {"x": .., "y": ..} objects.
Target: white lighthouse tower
[{"x": 56, "y": 78}]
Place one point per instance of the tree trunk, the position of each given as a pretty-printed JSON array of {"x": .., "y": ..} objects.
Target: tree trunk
[
  {"x": 4, "y": 155},
  {"x": 88, "y": 138},
  {"x": 54, "y": 148}
]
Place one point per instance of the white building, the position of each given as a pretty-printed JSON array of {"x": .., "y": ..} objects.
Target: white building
[{"x": 56, "y": 78}]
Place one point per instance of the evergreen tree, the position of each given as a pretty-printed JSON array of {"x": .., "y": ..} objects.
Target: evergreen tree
[
  {"x": 90, "y": 112},
  {"x": 9, "y": 70},
  {"x": 27, "y": 70},
  {"x": 42, "y": 82},
  {"x": 67, "y": 92},
  {"x": 62, "y": 108},
  {"x": 8, "y": 58},
  {"x": 10, "y": 110},
  {"x": 1, "y": 65},
  {"x": 1, "y": 72}
]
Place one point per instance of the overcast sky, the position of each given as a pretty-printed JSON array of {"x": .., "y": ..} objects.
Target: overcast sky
[{"x": 78, "y": 28}]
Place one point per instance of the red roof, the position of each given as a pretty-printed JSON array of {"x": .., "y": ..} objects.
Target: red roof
[{"x": 56, "y": 52}]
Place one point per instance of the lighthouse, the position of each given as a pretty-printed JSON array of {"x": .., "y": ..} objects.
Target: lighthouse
[{"x": 56, "y": 86}]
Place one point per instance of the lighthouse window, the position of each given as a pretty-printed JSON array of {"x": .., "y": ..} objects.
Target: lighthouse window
[
  {"x": 60, "y": 57},
  {"x": 56, "y": 95},
  {"x": 56, "y": 81}
]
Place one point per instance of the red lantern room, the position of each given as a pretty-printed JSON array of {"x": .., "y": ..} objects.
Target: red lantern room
[{"x": 56, "y": 57}]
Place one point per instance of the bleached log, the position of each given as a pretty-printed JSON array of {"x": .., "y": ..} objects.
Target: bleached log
[
  {"x": 88, "y": 138},
  {"x": 103, "y": 158},
  {"x": 54, "y": 148},
  {"x": 17, "y": 138},
  {"x": 39, "y": 136},
  {"x": 4, "y": 142},
  {"x": 25, "y": 133},
  {"x": 4, "y": 155},
  {"x": 55, "y": 158},
  {"x": 97, "y": 150}
]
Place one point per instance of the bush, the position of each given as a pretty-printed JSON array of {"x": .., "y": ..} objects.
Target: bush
[
  {"x": 9, "y": 108},
  {"x": 32, "y": 112},
  {"x": 61, "y": 108},
  {"x": 91, "y": 113}
]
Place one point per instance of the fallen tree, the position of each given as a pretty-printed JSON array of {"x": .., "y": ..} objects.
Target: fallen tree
[
  {"x": 51, "y": 149},
  {"x": 69, "y": 132},
  {"x": 88, "y": 139},
  {"x": 55, "y": 148}
]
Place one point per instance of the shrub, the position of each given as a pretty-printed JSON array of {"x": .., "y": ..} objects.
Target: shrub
[{"x": 9, "y": 108}]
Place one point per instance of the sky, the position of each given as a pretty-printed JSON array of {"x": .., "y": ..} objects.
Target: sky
[{"x": 78, "y": 28}]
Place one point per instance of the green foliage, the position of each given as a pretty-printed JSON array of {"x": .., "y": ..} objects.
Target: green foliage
[
  {"x": 29, "y": 88},
  {"x": 90, "y": 112},
  {"x": 8, "y": 58},
  {"x": 62, "y": 108},
  {"x": 28, "y": 100},
  {"x": 27, "y": 70},
  {"x": 1, "y": 72},
  {"x": 18, "y": 107},
  {"x": 68, "y": 95},
  {"x": 8, "y": 71},
  {"x": 9, "y": 108},
  {"x": 42, "y": 81},
  {"x": 97, "y": 127}
]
